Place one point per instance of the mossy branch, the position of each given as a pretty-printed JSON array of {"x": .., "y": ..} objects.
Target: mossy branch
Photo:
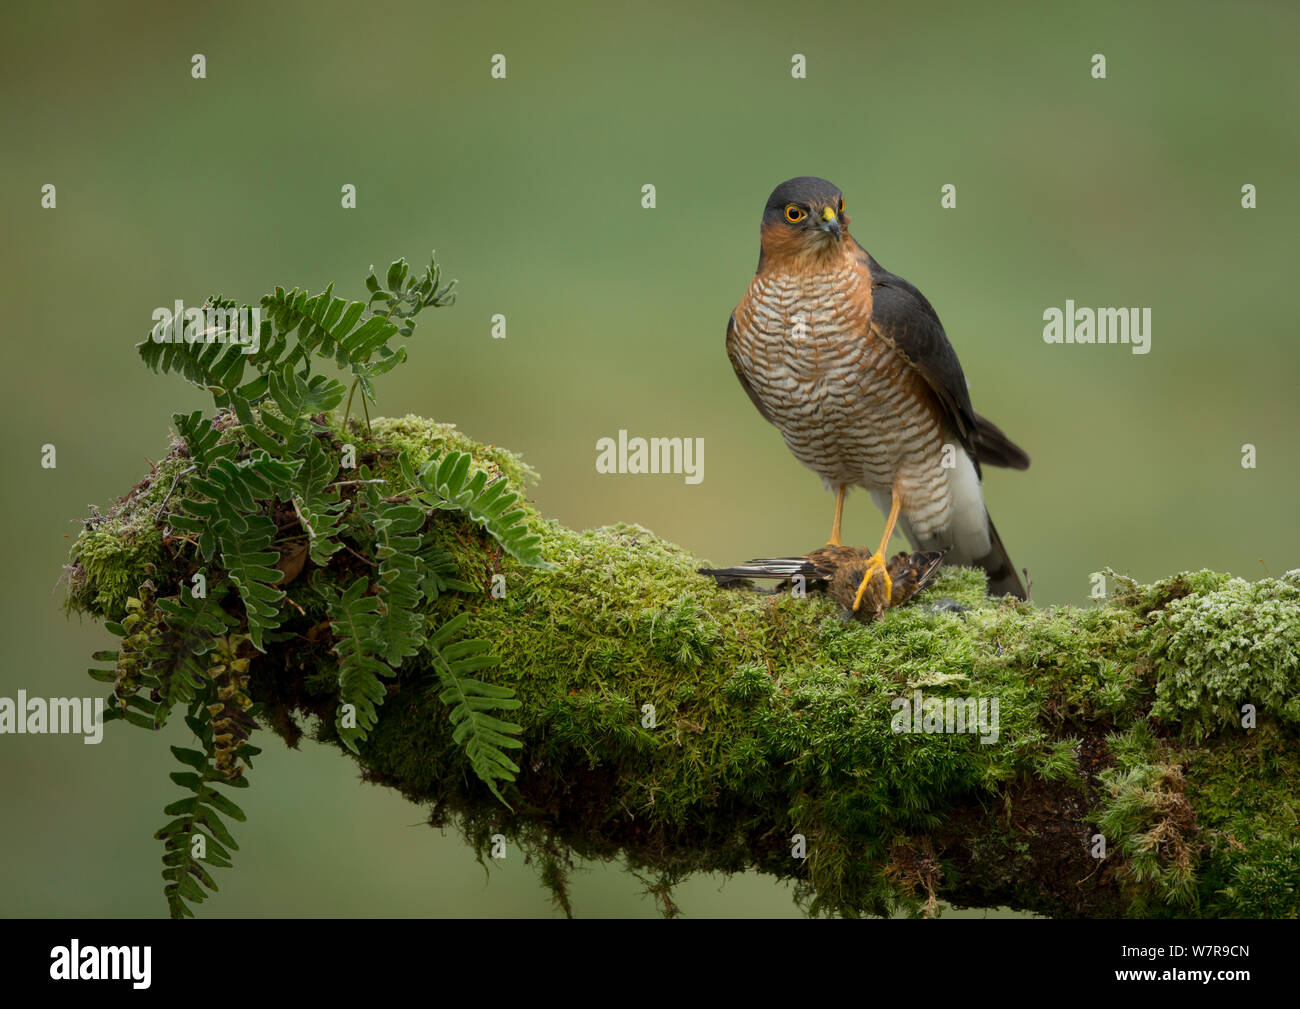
[{"x": 688, "y": 728}]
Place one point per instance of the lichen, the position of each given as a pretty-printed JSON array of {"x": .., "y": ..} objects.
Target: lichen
[{"x": 1219, "y": 650}]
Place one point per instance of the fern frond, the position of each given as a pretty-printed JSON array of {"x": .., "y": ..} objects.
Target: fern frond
[
  {"x": 319, "y": 507},
  {"x": 354, "y": 622},
  {"x": 192, "y": 625},
  {"x": 439, "y": 571},
  {"x": 133, "y": 660},
  {"x": 451, "y": 483},
  {"x": 214, "y": 367},
  {"x": 200, "y": 813},
  {"x": 484, "y": 736},
  {"x": 233, "y": 518},
  {"x": 326, "y": 326},
  {"x": 220, "y": 716},
  {"x": 202, "y": 439},
  {"x": 298, "y": 399},
  {"x": 397, "y": 540},
  {"x": 401, "y": 297},
  {"x": 284, "y": 435},
  {"x": 409, "y": 294},
  {"x": 250, "y": 563},
  {"x": 242, "y": 484}
]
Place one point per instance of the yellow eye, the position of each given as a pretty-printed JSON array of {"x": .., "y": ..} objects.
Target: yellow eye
[
  {"x": 841, "y": 204},
  {"x": 795, "y": 214}
]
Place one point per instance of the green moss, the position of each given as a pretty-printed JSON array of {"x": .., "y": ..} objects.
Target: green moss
[
  {"x": 115, "y": 552},
  {"x": 422, "y": 437},
  {"x": 1242, "y": 787},
  {"x": 748, "y": 684},
  {"x": 772, "y": 717},
  {"x": 1147, "y": 817}
]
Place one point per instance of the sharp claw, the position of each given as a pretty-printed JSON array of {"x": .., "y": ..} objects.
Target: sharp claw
[{"x": 876, "y": 561}]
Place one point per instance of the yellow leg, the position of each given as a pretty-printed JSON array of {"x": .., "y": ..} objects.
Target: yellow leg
[
  {"x": 877, "y": 560},
  {"x": 839, "y": 514}
]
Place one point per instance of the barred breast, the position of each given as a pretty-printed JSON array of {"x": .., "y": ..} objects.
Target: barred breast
[{"x": 843, "y": 398}]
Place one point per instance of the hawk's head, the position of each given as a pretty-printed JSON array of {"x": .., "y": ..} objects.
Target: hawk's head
[{"x": 804, "y": 220}]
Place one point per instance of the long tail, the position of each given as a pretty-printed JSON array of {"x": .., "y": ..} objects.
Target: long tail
[
  {"x": 994, "y": 448},
  {"x": 1003, "y": 580}
]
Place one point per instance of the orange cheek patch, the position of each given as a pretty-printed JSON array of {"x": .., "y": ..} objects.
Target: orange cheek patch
[
  {"x": 789, "y": 249},
  {"x": 783, "y": 243}
]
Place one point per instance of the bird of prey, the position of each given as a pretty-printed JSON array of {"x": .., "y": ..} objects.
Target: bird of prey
[
  {"x": 842, "y": 570},
  {"x": 853, "y": 367}
]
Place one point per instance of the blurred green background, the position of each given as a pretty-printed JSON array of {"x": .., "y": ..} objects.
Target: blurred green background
[{"x": 1124, "y": 191}]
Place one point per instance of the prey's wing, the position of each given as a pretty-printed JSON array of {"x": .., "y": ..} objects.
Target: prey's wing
[{"x": 781, "y": 568}]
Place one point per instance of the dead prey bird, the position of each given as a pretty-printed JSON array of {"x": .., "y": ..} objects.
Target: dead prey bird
[{"x": 840, "y": 571}]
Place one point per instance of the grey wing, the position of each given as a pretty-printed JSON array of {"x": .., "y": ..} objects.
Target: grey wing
[{"x": 903, "y": 315}]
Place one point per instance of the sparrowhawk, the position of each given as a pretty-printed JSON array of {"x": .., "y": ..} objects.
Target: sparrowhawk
[{"x": 853, "y": 367}]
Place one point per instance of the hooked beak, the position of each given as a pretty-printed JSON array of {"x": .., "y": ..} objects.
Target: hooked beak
[{"x": 830, "y": 222}]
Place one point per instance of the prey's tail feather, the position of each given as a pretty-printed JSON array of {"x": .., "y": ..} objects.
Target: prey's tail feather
[
  {"x": 770, "y": 567},
  {"x": 994, "y": 448},
  {"x": 1003, "y": 580}
]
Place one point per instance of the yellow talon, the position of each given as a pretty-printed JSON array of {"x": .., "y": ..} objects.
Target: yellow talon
[
  {"x": 874, "y": 562},
  {"x": 877, "y": 560}
]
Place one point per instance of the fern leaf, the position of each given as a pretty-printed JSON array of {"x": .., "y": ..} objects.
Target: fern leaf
[
  {"x": 250, "y": 563},
  {"x": 397, "y": 540},
  {"x": 191, "y": 626},
  {"x": 319, "y": 507},
  {"x": 197, "y": 835},
  {"x": 202, "y": 439},
  {"x": 354, "y": 621},
  {"x": 213, "y": 367},
  {"x": 451, "y": 483},
  {"x": 233, "y": 519},
  {"x": 484, "y": 736},
  {"x": 298, "y": 398},
  {"x": 358, "y": 346},
  {"x": 439, "y": 572}
]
